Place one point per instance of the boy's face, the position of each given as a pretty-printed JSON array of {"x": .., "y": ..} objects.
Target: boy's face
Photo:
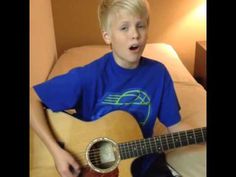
[{"x": 128, "y": 36}]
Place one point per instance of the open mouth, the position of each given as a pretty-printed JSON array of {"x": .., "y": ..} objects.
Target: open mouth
[{"x": 134, "y": 47}]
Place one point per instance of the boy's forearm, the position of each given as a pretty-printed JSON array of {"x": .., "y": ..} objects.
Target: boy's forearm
[
  {"x": 179, "y": 127},
  {"x": 40, "y": 125}
]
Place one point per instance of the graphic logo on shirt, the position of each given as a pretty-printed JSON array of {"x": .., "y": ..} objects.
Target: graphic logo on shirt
[{"x": 137, "y": 101}]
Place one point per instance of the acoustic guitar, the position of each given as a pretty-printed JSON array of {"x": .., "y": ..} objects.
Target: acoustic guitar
[{"x": 113, "y": 141}]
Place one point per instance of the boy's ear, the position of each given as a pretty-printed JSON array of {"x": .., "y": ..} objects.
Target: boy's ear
[{"x": 106, "y": 37}]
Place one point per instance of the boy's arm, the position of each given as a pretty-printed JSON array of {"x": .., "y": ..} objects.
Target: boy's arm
[
  {"x": 63, "y": 160},
  {"x": 179, "y": 127}
]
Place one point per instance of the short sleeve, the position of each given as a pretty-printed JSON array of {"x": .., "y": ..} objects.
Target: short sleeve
[
  {"x": 169, "y": 108},
  {"x": 61, "y": 92}
]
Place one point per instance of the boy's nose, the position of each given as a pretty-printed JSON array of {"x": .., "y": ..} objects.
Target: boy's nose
[{"x": 135, "y": 34}]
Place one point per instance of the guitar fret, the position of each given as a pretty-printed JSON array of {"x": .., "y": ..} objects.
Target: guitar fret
[
  {"x": 135, "y": 148},
  {"x": 173, "y": 139},
  {"x": 131, "y": 152},
  {"x": 198, "y": 135},
  {"x": 140, "y": 151},
  {"x": 158, "y": 144},
  {"x": 155, "y": 144},
  {"x": 170, "y": 141},
  {"x": 203, "y": 135},
  {"x": 184, "y": 139},
  {"x": 144, "y": 147},
  {"x": 194, "y": 135},
  {"x": 154, "y": 147},
  {"x": 176, "y": 140},
  {"x": 186, "y": 136},
  {"x": 163, "y": 142},
  {"x": 167, "y": 142},
  {"x": 190, "y": 137},
  {"x": 140, "y": 148},
  {"x": 126, "y": 150},
  {"x": 121, "y": 151},
  {"x": 150, "y": 145},
  {"x": 180, "y": 139},
  {"x": 129, "y": 149}
]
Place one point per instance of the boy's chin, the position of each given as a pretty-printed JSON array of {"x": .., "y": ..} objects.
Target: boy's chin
[{"x": 134, "y": 57}]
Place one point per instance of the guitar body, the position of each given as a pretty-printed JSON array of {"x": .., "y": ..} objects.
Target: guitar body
[
  {"x": 76, "y": 135},
  {"x": 102, "y": 146}
]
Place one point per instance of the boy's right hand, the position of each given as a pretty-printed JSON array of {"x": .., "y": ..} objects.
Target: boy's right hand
[{"x": 65, "y": 164}]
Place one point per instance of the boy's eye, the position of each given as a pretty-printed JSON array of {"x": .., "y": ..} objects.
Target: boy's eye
[
  {"x": 141, "y": 26},
  {"x": 124, "y": 28}
]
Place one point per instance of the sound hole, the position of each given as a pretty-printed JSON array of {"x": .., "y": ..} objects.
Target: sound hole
[{"x": 103, "y": 155}]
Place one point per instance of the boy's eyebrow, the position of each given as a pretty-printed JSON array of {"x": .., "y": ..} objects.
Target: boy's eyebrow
[{"x": 126, "y": 22}]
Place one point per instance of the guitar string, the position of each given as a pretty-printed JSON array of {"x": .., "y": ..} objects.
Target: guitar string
[
  {"x": 166, "y": 140},
  {"x": 95, "y": 153},
  {"x": 125, "y": 147},
  {"x": 144, "y": 142},
  {"x": 152, "y": 143},
  {"x": 166, "y": 136},
  {"x": 96, "y": 161},
  {"x": 169, "y": 139}
]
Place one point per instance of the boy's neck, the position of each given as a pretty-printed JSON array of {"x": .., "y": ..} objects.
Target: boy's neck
[{"x": 125, "y": 65}]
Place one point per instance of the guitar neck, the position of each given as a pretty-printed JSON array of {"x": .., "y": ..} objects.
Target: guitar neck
[{"x": 162, "y": 143}]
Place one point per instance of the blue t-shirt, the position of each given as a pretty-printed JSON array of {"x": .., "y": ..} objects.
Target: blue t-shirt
[{"x": 146, "y": 92}]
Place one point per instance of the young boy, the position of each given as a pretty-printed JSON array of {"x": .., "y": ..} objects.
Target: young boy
[{"x": 89, "y": 89}]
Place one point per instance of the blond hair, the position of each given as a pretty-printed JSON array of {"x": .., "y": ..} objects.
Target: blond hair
[{"x": 108, "y": 7}]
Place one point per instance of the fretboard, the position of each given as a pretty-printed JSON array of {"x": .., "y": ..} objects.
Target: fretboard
[{"x": 162, "y": 143}]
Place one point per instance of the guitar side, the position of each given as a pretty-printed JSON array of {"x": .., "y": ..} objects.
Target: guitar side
[{"x": 76, "y": 135}]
